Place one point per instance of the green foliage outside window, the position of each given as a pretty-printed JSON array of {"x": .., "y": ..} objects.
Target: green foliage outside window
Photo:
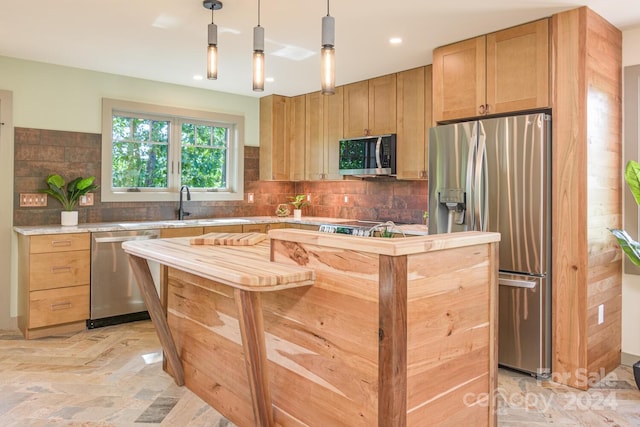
[{"x": 140, "y": 154}]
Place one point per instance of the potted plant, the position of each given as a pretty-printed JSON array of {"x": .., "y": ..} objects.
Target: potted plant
[
  {"x": 630, "y": 247},
  {"x": 70, "y": 197},
  {"x": 298, "y": 203}
]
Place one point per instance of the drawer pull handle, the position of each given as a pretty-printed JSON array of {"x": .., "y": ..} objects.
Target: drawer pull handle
[
  {"x": 60, "y": 306},
  {"x": 56, "y": 270},
  {"x": 58, "y": 243}
]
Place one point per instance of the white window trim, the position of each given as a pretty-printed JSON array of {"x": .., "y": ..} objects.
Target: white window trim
[{"x": 235, "y": 176}]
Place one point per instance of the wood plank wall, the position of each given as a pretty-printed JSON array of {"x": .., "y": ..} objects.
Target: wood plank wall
[{"x": 586, "y": 153}]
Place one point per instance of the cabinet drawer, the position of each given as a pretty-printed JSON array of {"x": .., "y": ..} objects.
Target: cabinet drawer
[
  {"x": 57, "y": 306},
  {"x": 58, "y": 270},
  {"x": 59, "y": 243},
  {"x": 180, "y": 232}
]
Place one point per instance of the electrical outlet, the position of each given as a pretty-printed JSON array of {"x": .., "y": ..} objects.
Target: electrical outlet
[
  {"x": 600, "y": 314},
  {"x": 346, "y": 198},
  {"x": 308, "y": 197},
  {"x": 86, "y": 200},
  {"x": 30, "y": 200},
  {"x": 250, "y": 198}
]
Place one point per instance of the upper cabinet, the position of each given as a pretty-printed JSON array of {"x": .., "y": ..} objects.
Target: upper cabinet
[
  {"x": 414, "y": 121},
  {"x": 324, "y": 126},
  {"x": 501, "y": 72},
  {"x": 274, "y": 143},
  {"x": 370, "y": 107},
  {"x": 297, "y": 116}
]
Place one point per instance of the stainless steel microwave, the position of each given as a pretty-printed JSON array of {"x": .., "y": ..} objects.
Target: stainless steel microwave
[{"x": 368, "y": 156}]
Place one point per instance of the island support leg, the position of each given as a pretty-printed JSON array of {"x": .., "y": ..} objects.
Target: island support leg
[
  {"x": 249, "y": 308},
  {"x": 152, "y": 301},
  {"x": 392, "y": 358}
]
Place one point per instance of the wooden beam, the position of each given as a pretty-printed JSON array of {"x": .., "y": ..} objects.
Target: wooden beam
[
  {"x": 152, "y": 301},
  {"x": 392, "y": 366},
  {"x": 255, "y": 354}
]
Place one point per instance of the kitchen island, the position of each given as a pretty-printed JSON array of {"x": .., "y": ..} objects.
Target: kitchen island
[{"x": 320, "y": 329}]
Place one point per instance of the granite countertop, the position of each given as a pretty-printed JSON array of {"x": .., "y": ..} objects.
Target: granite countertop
[{"x": 413, "y": 229}]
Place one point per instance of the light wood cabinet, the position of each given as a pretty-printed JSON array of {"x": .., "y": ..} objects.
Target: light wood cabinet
[
  {"x": 296, "y": 114},
  {"x": 53, "y": 288},
  {"x": 324, "y": 127},
  {"x": 518, "y": 68},
  {"x": 414, "y": 121},
  {"x": 370, "y": 107},
  {"x": 274, "y": 143},
  {"x": 505, "y": 71},
  {"x": 261, "y": 228},
  {"x": 181, "y": 232},
  {"x": 236, "y": 228}
]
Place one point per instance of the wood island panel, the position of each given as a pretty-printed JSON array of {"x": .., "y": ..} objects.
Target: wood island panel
[{"x": 380, "y": 336}]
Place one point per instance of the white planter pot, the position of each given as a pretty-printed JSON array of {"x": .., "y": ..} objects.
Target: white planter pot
[
  {"x": 69, "y": 218},
  {"x": 297, "y": 214}
]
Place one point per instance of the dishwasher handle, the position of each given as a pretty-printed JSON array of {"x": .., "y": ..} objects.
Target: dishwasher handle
[{"x": 122, "y": 239}]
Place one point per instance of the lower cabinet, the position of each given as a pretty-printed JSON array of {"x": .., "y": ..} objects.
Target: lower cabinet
[{"x": 53, "y": 283}]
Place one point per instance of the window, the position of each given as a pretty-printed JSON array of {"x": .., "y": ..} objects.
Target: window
[{"x": 154, "y": 150}]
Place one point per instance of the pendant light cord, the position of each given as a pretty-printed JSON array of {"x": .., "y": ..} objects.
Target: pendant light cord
[
  {"x": 258, "y": 13},
  {"x": 327, "y": 7}
]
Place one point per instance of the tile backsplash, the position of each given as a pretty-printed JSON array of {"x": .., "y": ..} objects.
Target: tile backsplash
[{"x": 39, "y": 153}]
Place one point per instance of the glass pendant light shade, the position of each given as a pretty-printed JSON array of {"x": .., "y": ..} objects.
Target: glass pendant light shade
[
  {"x": 328, "y": 70},
  {"x": 258, "y": 59},
  {"x": 212, "y": 53},
  {"x": 327, "y": 55}
]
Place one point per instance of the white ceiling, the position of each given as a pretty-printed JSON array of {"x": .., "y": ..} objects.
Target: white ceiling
[{"x": 165, "y": 40}]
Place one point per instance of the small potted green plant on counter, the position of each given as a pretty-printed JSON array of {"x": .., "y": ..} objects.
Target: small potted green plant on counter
[
  {"x": 299, "y": 201},
  {"x": 70, "y": 196}
]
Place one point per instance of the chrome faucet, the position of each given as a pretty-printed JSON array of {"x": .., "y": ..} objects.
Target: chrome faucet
[{"x": 181, "y": 212}]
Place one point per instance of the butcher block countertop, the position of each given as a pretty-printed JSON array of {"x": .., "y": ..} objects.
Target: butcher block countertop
[
  {"x": 396, "y": 246},
  {"x": 242, "y": 267}
]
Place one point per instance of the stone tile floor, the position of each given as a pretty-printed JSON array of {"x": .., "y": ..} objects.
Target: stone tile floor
[{"x": 113, "y": 377}]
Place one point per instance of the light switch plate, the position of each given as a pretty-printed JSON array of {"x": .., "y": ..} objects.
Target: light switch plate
[
  {"x": 86, "y": 200},
  {"x": 31, "y": 200}
]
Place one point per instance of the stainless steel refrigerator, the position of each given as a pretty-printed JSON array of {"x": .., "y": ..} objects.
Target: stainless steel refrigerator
[{"x": 494, "y": 175}]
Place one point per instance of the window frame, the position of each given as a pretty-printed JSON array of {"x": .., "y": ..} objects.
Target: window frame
[{"x": 235, "y": 159}]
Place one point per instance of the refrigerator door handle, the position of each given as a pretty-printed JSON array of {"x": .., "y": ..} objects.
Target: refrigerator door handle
[
  {"x": 471, "y": 202},
  {"x": 529, "y": 284},
  {"x": 480, "y": 194}
]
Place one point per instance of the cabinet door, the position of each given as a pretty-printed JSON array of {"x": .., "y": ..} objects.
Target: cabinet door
[
  {"x": 382, "y": 105},
  {"x": 236, "y": 228},
  {"x": 314, "y": 136},
  {"x": 58, "y": 270},
  {"x": 181, "y": 232},
  {"x": 57, "y": 306},
  {"x": 274, "y": 145},
  {"x": 459, "y": 80},
  {"x": 411, "y": 124},
  {"x": 333, "y": 133},
  {"x": 356, "y": 109},
  {"x": 518, "y": 68},
  {"x": 297, "y": 117}
]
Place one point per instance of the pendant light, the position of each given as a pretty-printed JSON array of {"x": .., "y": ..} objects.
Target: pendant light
[
  {"x": 212, "y": 48},
  {"x": 258, "y": 55},
  {"x": 327, "y": 55}
]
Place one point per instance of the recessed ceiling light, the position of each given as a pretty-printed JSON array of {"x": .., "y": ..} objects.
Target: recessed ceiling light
[
  {"x": 197, "y": 77},
  {"x": 269, "y": 79},
  {"x": 395, "y": 40}
]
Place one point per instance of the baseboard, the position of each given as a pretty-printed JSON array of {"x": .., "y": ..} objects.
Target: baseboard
[{"x": 629, "y": 359}]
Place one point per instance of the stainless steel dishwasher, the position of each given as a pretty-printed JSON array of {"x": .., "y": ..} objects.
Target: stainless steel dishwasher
[{"x": 115, "y": 296}]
